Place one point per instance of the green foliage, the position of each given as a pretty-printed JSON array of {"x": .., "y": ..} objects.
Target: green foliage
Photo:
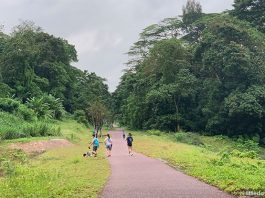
[
  {"x": 214, "y": 164},
  {"x": 41, "y": 74},
  {"x": 40, "y": 107},
  {"x": 154, "y": 132},
  {"x": 13, "y": 127},
  {"x": 8, "y": 105},
  {"x": 208, "y": 78},
  {"x": 6, "y": 91},
  {"x": 188, "y": 138},
  {"x": 251, "y": 11},
  {"x": 55, "y": 105},
  {"x": 9, "y": 159},
  {"x": 191, "y": 12},
  {"x": 81, "y": 117},
  {"x": 26, "y": 113},
  {"x": 46, "y": 174}
]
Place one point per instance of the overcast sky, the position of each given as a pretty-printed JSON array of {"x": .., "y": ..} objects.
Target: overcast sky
[{"x": 101, "y": 30}]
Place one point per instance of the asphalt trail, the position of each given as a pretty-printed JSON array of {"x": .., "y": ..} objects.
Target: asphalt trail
[{"x": 139, "y": 176}]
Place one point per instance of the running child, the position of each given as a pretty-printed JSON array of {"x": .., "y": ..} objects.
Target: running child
[
  {"x": 129, "y": 140},
  {"x": 108, "y": 144},
  {"x": 95, "y": 143}
]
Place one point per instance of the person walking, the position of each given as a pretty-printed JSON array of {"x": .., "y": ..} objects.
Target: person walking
[
  {"x": 123, "y": 134},
  {"x": 129, "y": 140},
  {"x": 108, "y": 144},
  {"x": 95, "y": 143}
]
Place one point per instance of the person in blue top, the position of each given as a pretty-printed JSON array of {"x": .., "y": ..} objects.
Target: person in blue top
[{"x": 95, "y": 143}]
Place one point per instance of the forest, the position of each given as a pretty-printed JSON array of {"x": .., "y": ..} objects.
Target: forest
[
  {"x": 39, "y": 85},
  {"x": 192, "y": 95},
  {"x": 198, "y": 72}
]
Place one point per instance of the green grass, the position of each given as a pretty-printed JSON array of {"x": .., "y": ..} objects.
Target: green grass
[
  {"x": 57, "y": 173},
  {"x": 14, "y": 127},
  {"x": 211, "y": 162}
]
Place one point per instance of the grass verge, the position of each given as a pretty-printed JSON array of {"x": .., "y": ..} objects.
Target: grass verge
[
  {"x": 212, "y": 163},
  {"x": 57, "y": 173}
]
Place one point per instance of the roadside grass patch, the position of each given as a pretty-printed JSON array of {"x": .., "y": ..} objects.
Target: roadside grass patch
[
  {"x": 13, "y": 127},
  {"x": 62, "y": 172},
  {"x": 217, "y": 164}
]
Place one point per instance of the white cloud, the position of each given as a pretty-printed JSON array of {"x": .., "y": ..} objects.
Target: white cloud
[{"x": 101, "y": 30}]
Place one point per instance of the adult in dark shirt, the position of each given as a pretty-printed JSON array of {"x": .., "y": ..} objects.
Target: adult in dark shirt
[{"x": 129, "y": 140}]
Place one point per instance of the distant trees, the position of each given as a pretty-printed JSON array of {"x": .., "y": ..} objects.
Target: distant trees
[
  {"x": 35, "y": 67},
  {"x": 207, "y": 76}
]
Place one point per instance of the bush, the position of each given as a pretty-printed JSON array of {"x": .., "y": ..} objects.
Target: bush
[
  {"x": 55, "y": 105},
  {"x": 25, "y": 113},
  {"x": 247, "y": 154},
  {"x": 80, "y": 116},
  {"x": 225, "y": 157},
  {"x": 12, "y": 127},
  {"x": 40, "y": 107},
  {"x": 247, "y": 145},
  {"x": 188, "y": 138},
  {"x": 6, "y": 91},
  {"x": 9, "y": 126},
  {"x": 8, "y": 105},
  {"x": 181, "y": 136},
  {"x": 154, "y": 132},
  {"x": 40, "y": 129}
]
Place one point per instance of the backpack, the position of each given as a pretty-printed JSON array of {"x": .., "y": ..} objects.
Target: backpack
[{"x": 96, "y": 142}]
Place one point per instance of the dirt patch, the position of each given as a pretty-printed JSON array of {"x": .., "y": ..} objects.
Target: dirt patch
[{"x": 41, "y": 146}]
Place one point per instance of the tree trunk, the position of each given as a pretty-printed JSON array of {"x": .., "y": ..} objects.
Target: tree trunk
[{"x": 176, "y": 101}]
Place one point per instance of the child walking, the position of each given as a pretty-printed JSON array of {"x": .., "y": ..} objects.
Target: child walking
[
  {"x": 95, "y": 143},
  {"x": 108, "y": 144}
]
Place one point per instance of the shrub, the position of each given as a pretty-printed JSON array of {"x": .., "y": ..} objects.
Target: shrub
[
  {"x": 12, "y": 134},
  {"x": 80, "y": 116},
  {"x": 55, "y": 105},
  {"x": 40, "y": 107},
  {"x": 40, "y": 129},
  {"x": 188, "y": 138},
  {"x": 154, "y": 132},
  {"x": 181, "y": 136},
  {"x": 247, "y": 154},
  {"x": 26, "y": 113},
  {"x": 247, "y": 145},
  {"x": 12, "y": 127},
  {"x": 225, "y": 157},
  {"x": 8, "y": 105},
  {"x": 6, "y": 91},
  {"x": 9, "y": 126}
]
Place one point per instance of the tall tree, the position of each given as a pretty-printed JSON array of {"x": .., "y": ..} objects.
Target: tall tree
[
  {"x": 251, "y": 11},
  {"x": 191, "y": 12}
]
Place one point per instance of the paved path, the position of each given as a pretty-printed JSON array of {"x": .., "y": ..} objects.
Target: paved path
[{"x": 139, "y": 176}]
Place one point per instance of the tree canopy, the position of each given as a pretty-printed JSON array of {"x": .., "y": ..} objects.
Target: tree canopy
[
  {"x": 208, "y": 76},
  {"x": 36, "y": 68}
]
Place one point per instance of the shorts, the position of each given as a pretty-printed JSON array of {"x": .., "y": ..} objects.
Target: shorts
[
  {"x": 109, "y": 147},
  {"x": 95, "y": 148},
  {"x": 130, "y": 145}
]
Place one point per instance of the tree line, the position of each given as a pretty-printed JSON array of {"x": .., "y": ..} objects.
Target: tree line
[
  {"x": 198, "y": 72},
  {"x": 36, "y": 71}
]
